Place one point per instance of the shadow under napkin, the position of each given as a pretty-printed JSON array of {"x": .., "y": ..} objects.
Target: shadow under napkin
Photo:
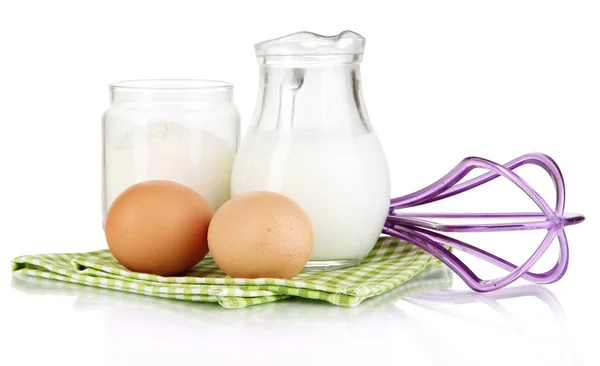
[{"x": 390, "y": 264}]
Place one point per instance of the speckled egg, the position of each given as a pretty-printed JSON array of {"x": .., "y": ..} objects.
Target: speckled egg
[{"x": 260, "y": 235}]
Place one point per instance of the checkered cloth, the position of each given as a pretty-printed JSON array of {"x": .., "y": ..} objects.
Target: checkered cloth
[{"x": 390, "y": 264}]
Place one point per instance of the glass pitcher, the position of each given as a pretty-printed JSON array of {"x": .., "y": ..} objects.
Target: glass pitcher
[{"x": 311, "y": 140}]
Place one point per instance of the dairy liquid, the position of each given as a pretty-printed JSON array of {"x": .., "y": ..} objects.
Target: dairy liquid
[{"x": 342, "y": 183}]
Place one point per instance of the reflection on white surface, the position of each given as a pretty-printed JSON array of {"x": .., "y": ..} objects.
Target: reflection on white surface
[
  {"x": 433, "y": 300},
  {"x": 423, "y": 321},
  {"x": 539, "y": 325}
]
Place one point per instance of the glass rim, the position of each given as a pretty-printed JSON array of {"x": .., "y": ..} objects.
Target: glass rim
[
  {"x": 312, "y": 44},
  {"x": 171, "y": 85}
]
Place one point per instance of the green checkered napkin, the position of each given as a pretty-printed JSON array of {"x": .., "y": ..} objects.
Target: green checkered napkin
[{"x": 389, "y": 264}]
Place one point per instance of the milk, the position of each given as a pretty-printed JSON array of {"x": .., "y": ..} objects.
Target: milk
[
  {"x": 169, "y": 151},
  {"x": 342, "y": 182}
]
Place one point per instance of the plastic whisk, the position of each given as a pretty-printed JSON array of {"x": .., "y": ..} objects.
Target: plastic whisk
[{"x": 420, "y": 230}]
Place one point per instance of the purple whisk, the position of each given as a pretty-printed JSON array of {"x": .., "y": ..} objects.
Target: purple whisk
[{"x": 418, "y": 229}]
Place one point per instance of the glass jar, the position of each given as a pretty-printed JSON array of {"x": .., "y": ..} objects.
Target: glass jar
[
  {"x": 312, "y": 141},
  {"x": 186, "y": 131}
]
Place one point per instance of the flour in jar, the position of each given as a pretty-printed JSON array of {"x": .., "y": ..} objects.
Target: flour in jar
[{"x": 169, "y": 151}]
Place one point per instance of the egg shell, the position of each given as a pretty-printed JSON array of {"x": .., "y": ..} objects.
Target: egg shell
[
  {"x": 158, "y": 227},
  {"x": 260, "y": 234}
]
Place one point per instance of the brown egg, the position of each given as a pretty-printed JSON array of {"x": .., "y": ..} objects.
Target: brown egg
[
  {"x": 260, "y": 234},
  {"x": 158, "y": 227}
]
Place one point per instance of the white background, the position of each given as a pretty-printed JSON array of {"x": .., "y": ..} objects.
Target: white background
[{"x": 442, "y": 80}]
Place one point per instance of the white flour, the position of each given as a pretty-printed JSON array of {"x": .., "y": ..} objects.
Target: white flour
[{"x": 169, "y": 151}]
